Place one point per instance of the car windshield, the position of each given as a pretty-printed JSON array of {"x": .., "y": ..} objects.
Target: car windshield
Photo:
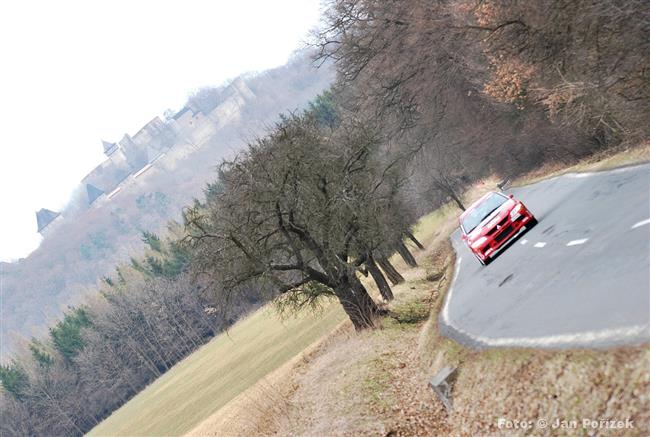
[{"x": 476, "y": 215}]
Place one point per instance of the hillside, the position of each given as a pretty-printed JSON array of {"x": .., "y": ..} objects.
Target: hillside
[
  {"x": 353, "y": 206},
  {"x": 91, "y": 241}
]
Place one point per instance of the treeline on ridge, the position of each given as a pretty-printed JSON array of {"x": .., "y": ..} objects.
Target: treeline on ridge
[{"x": 429, "y": 98}]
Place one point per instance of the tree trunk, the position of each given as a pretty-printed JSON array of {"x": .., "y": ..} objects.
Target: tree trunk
[
  {"x": 61, "y": 411},
  {"x": 363, "y": 271},
  {"x": 445, "y": 186},
  {"x": 411, "y": 237},
  {"x": 456, "y": 199},
  {"x": 357, "y": 303},
  {"x": 392, "y": 273},
  {"x": 406, "y": 254},
  {"x": 380, "y": 280}
]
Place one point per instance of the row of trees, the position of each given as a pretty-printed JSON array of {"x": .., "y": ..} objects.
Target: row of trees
[
  {"x": 145, "y": 319},
  {"x": 485, "y": 86},
  {"x": 429, "y": 97}
]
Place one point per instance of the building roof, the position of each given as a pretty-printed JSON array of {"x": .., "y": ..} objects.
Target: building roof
[
  {"x": 44, "y": 217},
  {"x": 93, "y": 193},
  {"x": 154, "y": 124},
  {"x": 108, "y": 147},
  {"x": 180, "y": 113}
]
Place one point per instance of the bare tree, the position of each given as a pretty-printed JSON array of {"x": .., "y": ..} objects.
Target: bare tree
[
  {"x": 299, "y": 214},
  {"x": 585, "y": 62}
]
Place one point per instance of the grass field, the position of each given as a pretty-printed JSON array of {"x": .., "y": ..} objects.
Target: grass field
[{"x": 206, "y": 380}]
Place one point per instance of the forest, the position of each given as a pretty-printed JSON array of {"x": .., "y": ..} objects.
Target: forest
[{"x": 429, "y": 97}]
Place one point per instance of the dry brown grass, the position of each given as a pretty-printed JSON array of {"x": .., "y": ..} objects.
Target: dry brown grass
[
  {"x": 371, "y": 383},
  {"x": 375, "y": 383},
  {"x": 598, "y": 162}
]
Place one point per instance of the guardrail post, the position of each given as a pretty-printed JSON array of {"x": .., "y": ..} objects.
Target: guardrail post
[{"x": 442, "y": 383}]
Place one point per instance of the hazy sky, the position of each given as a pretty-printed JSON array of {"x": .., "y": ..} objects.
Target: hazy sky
[{"x": 76, "y": 72}]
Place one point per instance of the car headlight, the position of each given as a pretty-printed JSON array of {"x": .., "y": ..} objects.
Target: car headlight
[
  {"x": 516, "y": 211},
  {"x": 479, "y": 242}
]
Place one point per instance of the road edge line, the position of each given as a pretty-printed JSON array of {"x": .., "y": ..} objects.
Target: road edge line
[{"x": 560, "y": 340}]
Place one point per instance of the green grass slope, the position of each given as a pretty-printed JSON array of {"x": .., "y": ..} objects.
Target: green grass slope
[{"x": 216, "y": 373}]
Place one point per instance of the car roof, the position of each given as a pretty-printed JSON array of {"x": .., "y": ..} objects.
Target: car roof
[{"x": 473, "y": 205}]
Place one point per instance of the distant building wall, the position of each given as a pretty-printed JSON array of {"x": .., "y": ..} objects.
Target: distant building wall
[
  {"x": 227, "y": 111},
  {"x": 242, "y": 89},
  {"x": 192, "y": 126},
  {"x": 164, "y": 143},
  {"x": 230, "y": 109},
  {"x": 175, "y": 155},
  {"x": 135, "y": 155},
  {"x": 118, "y": 158},
  {"x": 154, "y": 134},
  {"x": 52, "y": 226},
  {"x": 107, "y": 175}
]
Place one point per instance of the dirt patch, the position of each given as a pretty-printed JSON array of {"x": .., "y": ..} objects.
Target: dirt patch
[{"x": 365, "y": 384}]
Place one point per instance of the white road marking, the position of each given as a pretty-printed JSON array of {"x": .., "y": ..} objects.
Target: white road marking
[
  {"x": 634, "y": 331},
  {"x": 577, "y": 242},
  {"x": 628, "y": 332},
  {"x": 540, "y": 244},
  {"x": 588, "y": 174},
  {"x": 641, "y": 223},
  {"x": 524, "y": 241},
  {"x": 623, "y": 169}
]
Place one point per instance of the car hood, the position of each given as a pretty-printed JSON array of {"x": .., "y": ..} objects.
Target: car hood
[{"x": 491, "y": 220}]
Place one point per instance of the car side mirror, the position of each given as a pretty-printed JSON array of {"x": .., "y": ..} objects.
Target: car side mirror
[
  {"x": 512, "y": 196},
  {"x": 463, "y": 237}
]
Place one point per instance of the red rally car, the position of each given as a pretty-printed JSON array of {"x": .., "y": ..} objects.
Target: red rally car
[{"x": 490, "y": 222}]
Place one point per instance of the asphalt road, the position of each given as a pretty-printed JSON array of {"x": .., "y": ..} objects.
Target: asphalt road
[{"x": 580, "y": 278}]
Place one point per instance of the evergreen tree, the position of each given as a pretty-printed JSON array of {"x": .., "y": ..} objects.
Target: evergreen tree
[
  {"x": 66, "y": 335},
  {"x": 14, "y": 379}
]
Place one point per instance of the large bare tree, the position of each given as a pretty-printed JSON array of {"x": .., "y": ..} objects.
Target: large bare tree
[{"x": 302, "y": 209}]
